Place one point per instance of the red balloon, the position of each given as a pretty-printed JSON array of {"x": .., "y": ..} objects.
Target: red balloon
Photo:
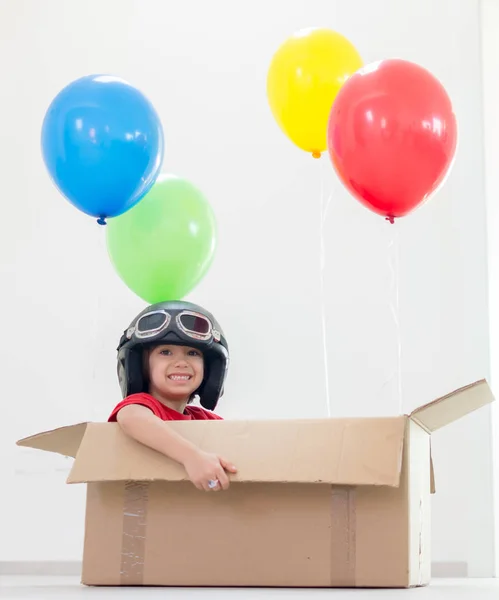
[{"x": 392, "y": 136}]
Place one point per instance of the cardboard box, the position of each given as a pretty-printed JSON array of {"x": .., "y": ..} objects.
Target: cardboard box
[{"x": 316, "y": 503}]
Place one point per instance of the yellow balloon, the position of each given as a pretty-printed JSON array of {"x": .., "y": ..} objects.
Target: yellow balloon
[{"x": 305, "y": 75}]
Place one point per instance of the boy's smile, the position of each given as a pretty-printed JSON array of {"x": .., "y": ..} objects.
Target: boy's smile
[{"x": 180, "y": 377}]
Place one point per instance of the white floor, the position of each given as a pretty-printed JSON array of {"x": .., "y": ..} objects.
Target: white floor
[{"x": 68, "y": 588}]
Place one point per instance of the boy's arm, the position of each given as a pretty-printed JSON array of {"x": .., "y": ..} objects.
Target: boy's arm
[{"x": 142, "y": 425}]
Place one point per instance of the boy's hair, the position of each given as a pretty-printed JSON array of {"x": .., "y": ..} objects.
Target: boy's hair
[{"x": 145, "y": 368}]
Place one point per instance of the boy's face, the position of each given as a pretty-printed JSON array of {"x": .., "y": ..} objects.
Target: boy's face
[{"x": 175, "y": 372}]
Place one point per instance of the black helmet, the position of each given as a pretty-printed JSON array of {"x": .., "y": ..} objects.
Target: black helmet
[{"x": 180, "y": 323}]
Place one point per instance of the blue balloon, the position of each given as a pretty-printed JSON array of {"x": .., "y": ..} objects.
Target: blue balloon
[{"x": 103, "y": 145}]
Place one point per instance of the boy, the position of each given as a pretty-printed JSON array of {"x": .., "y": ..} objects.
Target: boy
[{"x": 171, "y": 353}]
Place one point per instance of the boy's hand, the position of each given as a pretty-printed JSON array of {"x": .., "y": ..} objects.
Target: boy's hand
[{"x": 203, "y": 467}]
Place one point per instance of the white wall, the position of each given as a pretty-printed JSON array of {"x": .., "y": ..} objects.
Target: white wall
[
  {"x": 204, "y": 64},
  {"x": 490, "y": 70}
]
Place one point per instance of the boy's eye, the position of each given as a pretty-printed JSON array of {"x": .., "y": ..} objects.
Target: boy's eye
[
  {"x": 165, "y": 352},
  {"x": 194, "y": 353}
]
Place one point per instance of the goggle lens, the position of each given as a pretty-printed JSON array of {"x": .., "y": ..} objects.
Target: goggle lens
[
  {"x": 195, "y": 324},
  {"x": 149, "y": 324}
]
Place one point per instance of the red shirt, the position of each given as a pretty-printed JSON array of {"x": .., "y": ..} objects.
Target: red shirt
[{"x": 191, "y": 413}]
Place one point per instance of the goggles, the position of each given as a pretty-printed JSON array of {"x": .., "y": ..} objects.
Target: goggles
[{"x": 192, "y": 324}]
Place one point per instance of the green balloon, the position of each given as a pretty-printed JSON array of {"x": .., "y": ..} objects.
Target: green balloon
[{"x": 163, "y": 246}]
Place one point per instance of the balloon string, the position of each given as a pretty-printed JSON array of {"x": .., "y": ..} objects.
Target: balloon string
[
  {"x": 97, "y": 329},
  {"x": 394, "y": 304},
  {"x": 394, "y": 264},
  {"x": 324, "y": 205}
]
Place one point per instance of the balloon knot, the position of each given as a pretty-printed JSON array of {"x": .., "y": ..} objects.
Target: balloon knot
[
  {"x": 316, "y": 154},
  {"x": 391, "y": 219},
  {"x": 102, "y": 221}
]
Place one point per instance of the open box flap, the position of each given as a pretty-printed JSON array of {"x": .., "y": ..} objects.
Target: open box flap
[
  {"x": 336, "y": 451},
  {"x": 453, "y": 406},
  {"x": 65, "y": 440}
]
